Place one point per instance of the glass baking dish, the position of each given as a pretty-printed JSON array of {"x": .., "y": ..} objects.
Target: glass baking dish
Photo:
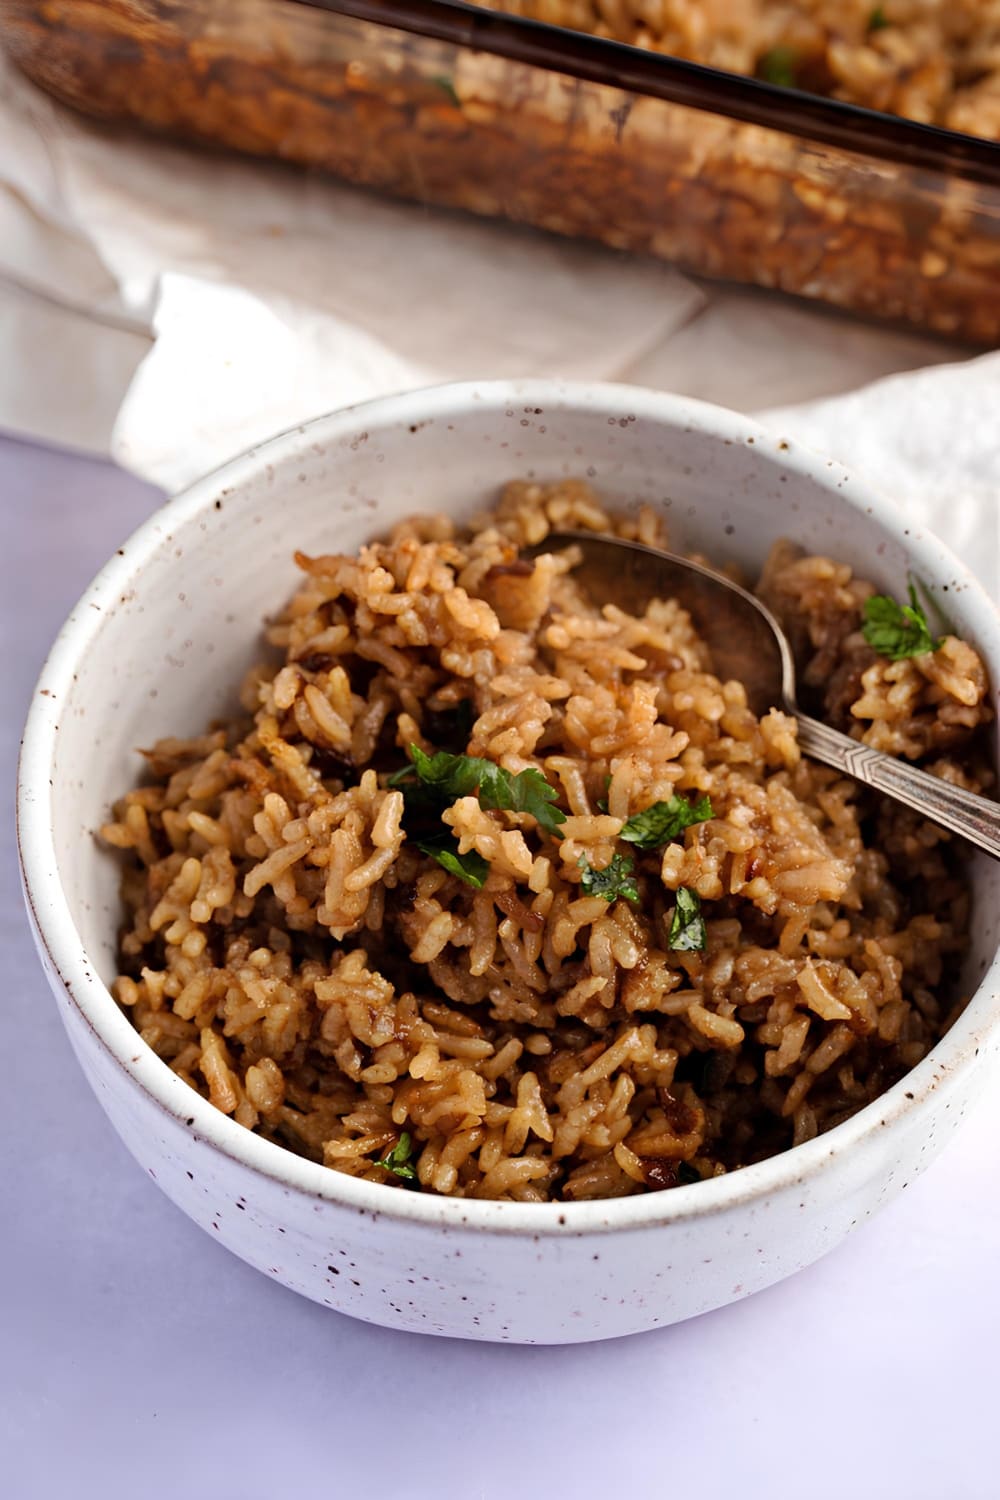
[{"x": 454, "y": 105}]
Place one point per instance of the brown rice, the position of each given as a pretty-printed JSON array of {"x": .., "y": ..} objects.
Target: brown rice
[
  {"x": 937, "y": 61},
  {"x": 293, "y": 955}
]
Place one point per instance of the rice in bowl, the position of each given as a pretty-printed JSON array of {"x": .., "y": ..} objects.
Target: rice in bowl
[{"x": 388, "y": 917}]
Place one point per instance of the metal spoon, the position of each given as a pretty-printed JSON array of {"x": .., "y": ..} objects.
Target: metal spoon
[{"x": 748, "y": 645}]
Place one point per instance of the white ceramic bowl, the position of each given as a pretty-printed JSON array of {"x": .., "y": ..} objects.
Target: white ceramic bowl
[{"x": 156, "y": 645}]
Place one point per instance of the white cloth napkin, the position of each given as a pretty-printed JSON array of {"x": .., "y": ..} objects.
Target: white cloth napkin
[
  {"x": 170, "y": 309},
  {"x": 930, "y": 439}
]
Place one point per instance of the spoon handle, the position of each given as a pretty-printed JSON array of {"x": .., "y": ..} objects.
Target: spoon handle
[{"x": 973, "y": 817}]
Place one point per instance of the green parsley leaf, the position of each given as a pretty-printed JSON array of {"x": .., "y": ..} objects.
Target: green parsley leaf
[
  {"x": 687, "y": 1174},
  {"x": 447, "y": 86},
  {"x": 877, "y": 21},
  {"x": 431, "y": 782},
  {"x": 398, "y": 1159},
  {"x": 453, "y": 776},
  {"x": 779, "y": 66},
  {"x": 897, "y": 630},
  {"x": 687, "y": 929},
  {"x": 616, "y": 879},
  {"x": 528, "y": 792},
  {"x": 449, "y": 775},
  {"x": 456, "y": 775},
  {"x": 664, "y": 821},
  {"x": 933, "y": 609},
  {"x": 471, "y": 867}
]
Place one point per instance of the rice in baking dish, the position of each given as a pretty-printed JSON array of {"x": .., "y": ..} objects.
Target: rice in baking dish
[{"x": 937, "y": 61}]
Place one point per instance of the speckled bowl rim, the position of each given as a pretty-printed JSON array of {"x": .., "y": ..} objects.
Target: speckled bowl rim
[{"x": 54, "y": 924}]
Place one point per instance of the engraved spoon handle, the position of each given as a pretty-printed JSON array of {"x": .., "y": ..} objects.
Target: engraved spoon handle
[{"x": 965, "y": 813}]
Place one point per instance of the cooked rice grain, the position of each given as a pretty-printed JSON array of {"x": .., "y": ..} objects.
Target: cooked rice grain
[
  {"x": 299, "y": 962},
  {"x": 937, "y": 61}
]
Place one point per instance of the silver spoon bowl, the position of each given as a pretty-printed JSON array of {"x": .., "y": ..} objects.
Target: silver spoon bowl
[{"x": 748, "y": 645}]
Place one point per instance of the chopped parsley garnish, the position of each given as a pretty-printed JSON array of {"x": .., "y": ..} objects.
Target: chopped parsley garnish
[
  {"x": 897, "y": 630},
  {"x": 453, "y": 776},
  {"x": 687, "y": 1174},
  {"x": 445, "y": 84},
  {"x": 398, "y": 1159},
  {"x": 932, "y": 608},
  {"x": 430, "y": 783},
  {"x": 616, "y": 879},
  {"x": 779, "y": 66},
  {"x": 878, "y": 20},
  {"x": 687, "y": 929},
  {"x": 471, "y": 867},
  {"x": 662, "y": 822}
]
